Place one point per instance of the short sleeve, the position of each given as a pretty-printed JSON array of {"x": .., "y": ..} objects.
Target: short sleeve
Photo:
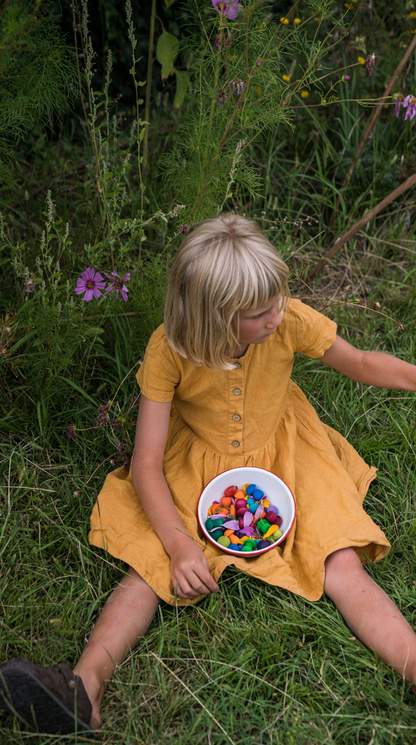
[
  {"x": 159, "y": 373},
  {"x": 314, "y": 332}
]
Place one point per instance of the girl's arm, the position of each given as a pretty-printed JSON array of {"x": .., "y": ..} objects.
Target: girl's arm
[
  {"x": 373, "y": 368},
  {"x": 189, "y": 567}
]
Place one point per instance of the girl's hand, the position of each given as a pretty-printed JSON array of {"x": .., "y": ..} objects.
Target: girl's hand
[{"x": 189, "y": 570}]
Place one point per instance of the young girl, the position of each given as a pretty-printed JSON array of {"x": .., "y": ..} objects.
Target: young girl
[{"x": 217, "y": 394}]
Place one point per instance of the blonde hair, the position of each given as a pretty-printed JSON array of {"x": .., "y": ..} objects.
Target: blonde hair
[{"x": 225, "y": 265}]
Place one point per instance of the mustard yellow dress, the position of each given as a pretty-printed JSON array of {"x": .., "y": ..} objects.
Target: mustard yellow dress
[{"x": 252, "y": 415}]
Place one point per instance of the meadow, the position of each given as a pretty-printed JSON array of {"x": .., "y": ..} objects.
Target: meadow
[{"x": 96, "y": 186}]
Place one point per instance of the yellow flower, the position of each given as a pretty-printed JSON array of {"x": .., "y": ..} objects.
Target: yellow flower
[
  {"x": 233, "y": 57},
  {"x": 297, "y": 20},
  {"x": 258, "y": 90},
  {"x": 412, "y": 14},
  {"x": 361, "y": 60},
  {"x": 348, "y": 6},
  {"x": 284, "y": 20},
  {"x": 286, "y": 78},
  {"x": 304, "y": 94}
]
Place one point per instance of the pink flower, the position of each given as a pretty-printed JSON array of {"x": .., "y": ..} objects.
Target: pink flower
[
  {"x": 409, "y": 103},
  {"x": 118, "y": 285},
  {"x": 91, "y": 283},
  {"x": 399, "y": 103},
  {"x": 70, "y": 430},
  {"x": 227, "y": 8},
  {"x": 238, "y": 85},
  {"x": 221, "y": 97}
]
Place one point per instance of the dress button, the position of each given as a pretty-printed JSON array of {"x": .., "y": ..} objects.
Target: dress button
[
  {"x": 235, "y": 444},
  {"x": 236, "y": 417},
  {"x": 236, "y": 391},
  {"x": 237, "y": 365}
]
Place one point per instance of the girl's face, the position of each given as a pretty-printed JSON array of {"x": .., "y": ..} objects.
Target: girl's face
[{"x": 257, "y": 324}]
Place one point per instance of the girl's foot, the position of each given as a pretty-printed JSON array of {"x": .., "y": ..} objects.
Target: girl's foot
[{"x": 50, "y": 699}]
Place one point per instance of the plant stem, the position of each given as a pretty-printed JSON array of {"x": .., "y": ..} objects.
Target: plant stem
[
  {"x": 149, "y": 86},
  {"x": 371, "y": 123},
  {"x": 411, "y": 181}
]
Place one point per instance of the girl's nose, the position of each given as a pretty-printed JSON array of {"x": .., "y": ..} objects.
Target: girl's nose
[{"x": 275, "y": 317}]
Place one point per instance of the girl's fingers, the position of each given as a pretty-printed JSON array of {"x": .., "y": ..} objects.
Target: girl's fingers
[
  {"x": 209, "y": 581},
  {"x": 192, "y": 586}
]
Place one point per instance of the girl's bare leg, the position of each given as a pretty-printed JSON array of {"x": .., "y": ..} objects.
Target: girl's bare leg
[
  {"x": 371, "y": 615},
  {"x": 126, "y": 616}
]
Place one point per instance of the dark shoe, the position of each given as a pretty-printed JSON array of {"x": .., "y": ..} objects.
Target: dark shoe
[{"x": 50, "y": 699}]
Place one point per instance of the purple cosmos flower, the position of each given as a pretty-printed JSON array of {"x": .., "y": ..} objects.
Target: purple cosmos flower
[
  {"x": 409, "y": 103},
  {"x": 90, "y": 282},
  {"x": 399, "y": 103},
  {"x": 118, "y": 284},
  {"x": 184, "y": 229},
  {"x": 227, "y": 8},
  {"x": 221, "y": 97},
  {"x": 238, "y": 85},
  {"x": 346, "y": 78},
  {"x": 70, "y": 430}
]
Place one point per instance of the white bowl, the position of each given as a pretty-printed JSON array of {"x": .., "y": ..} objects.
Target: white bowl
[{"x": 273, "y": 487}]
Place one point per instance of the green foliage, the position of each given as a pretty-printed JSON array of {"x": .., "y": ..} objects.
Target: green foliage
[
  {"x": 270, "y": 667},
  {"x": 241, "y": 91},
  {"x": 37, "y": 74}
]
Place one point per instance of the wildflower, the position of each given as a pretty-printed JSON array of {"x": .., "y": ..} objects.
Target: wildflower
[
  {"x": 258, "y": 90},
  {"x": 346, "y": 78},
  {"x": 90, "y": 282},
  {"x": 297, "y": 20},
  {"x": 184, "y": 229},
  {"x": 412, "y": 14},
  {"x": 286, "y": 78},
  {"x": 221, "y": 97},
  {"x": 29, "y": 284},
  {"x": 258, "y": 63},
  {"x": 370, "y": 63},
  {"x": 237, "y": 85},
  {"x": 284, "y": 20},
  {"x": 361, "y": 60},
  {"x": 227, "y": 8},
  {"x": 102, "y": 414},
  {"x": 409, "y": 103},
  {"x": 116, "y": 424},
  {"x": 118, "y": 285},
  {"x": 70, "y": 430},
  {"x": 399, "y": 98},
  {"x": 304, "y": 94}
]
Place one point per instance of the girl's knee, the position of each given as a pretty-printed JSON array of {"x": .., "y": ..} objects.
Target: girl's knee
[{"x": 340, "y": 565}]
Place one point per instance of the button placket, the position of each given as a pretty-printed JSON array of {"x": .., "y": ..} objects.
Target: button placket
[{"x": 236, "y": 407}]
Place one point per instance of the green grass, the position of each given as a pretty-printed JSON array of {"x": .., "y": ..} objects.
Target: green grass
[{"x": 253, "y": 664}]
